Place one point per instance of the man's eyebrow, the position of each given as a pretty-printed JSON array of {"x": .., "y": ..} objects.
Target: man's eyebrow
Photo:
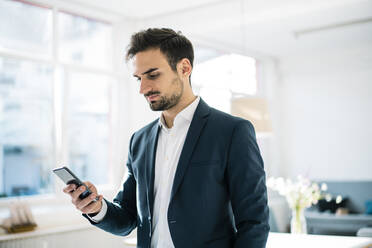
[{"x": 146, "y": 72}]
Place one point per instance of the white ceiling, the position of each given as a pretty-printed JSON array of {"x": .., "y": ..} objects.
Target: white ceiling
[
  {"x": 257, "y": 27},
  {"x": 142, "y": 8}
]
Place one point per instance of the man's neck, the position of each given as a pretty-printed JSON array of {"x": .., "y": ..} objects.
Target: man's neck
[{"x": 170, "y": 114}]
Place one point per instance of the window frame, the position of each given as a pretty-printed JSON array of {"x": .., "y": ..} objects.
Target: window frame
[{"x": 59, "y": 137}]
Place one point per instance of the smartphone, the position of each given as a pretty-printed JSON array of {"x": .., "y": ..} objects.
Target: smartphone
[{"x": 69, "y": 178}]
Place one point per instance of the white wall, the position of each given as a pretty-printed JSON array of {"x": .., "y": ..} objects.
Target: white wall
[{"x": 324, "y": 121}]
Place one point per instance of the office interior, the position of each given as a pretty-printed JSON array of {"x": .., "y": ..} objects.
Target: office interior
[{"x": 299, "y": 70}]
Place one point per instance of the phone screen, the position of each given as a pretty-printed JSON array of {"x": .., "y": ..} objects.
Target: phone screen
[{"x": 67, "y": 176}]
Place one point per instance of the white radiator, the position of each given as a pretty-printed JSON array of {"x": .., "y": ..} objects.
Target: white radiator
[{"x": 80, "y": 238}]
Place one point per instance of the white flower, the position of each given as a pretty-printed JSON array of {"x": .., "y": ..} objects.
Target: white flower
[
  {"x": 270, "y": 182},
  {"x": 299, "y": 194},
  {"x": 324, "y": 187},
  {"x": 338, "y": 199},
  {"x": 328, "y": 197}
]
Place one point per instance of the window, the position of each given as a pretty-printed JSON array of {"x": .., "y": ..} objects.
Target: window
[
  {"x": 55, "y": 98},
  {"x": 218, "y": 77},
  {"x": 31, "y": 33},
  {"x": 84, "y": 41},
  {"x": 88, "y": 125},
  {"x": 26, "y": 127}
]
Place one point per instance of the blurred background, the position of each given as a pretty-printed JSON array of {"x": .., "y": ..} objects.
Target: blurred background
[{"x": 300, "y": 70}]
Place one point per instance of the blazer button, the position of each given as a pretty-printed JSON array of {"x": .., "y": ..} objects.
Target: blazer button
[{"x": 172, "y": 221}]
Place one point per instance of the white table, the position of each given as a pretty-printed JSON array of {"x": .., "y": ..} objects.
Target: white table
[{"x": 280, "y": 240}]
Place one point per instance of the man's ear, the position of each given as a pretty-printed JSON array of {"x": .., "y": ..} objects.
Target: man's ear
[{"x": 184, "y": 67}]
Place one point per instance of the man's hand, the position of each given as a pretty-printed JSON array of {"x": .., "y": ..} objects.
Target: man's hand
[{"x": 87, "y": 205}]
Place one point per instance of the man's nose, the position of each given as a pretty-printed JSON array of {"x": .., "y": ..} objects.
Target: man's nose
[{"x": 144, "y": 87}]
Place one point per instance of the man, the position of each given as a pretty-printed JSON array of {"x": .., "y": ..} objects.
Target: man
[{"x": 195, "y": 175}]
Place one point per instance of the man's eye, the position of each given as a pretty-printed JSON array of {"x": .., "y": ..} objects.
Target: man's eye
[{"x": 153, "y": 76}]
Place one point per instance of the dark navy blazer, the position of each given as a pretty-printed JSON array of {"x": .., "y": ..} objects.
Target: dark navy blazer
[{"x": 218, "y": 197}]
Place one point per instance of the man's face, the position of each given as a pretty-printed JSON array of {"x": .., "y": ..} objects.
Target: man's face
[{"x": 161, "y": 86}]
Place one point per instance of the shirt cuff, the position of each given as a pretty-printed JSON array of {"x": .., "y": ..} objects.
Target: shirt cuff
[{"x": 101, "y": 214}]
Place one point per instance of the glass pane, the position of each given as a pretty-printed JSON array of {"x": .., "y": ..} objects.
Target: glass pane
[
  {"x": 89, "y": 126},
  {"x": 203, "y": 54},
  {"x": 232, "y": 72},
  {"x": 84, "y": 41},
  {"x": 31, "y": 32},
  {"x": 26, "y": 128},
  {"x": 217, "y": 98}
]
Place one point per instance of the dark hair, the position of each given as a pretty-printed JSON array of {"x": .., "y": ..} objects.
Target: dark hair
[{"x": 172, "y": 44}]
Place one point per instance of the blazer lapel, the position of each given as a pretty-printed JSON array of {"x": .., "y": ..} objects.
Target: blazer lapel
[
  {"x": 151, "y": 147},
  {"x": 196, "y": 126}
]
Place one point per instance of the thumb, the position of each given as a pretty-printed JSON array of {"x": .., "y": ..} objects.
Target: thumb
[{"x": 91, "y": 187}]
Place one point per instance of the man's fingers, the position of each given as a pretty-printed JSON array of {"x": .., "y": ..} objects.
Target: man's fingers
[
  {"x": 93, "y": 206},
  {"x": 91, "y": 186},
  {"x": 77, "y": 192},
  {"x": 86, "y": 201},
  {"x": 90, "y": 204},
  {"x": 69, "y": 188}
]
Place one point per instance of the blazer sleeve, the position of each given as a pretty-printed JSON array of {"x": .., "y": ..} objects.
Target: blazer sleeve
[
  {"x": 121, "y": 215},
  {"x": 247, "y": 188}
]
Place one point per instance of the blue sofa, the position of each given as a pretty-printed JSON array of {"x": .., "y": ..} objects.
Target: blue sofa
[{"x": 357, "y": 194}]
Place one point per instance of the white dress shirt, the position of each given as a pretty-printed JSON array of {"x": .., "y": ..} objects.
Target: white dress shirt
[
  {"x": 169, "y": 148},
  {"x": 170, "y": 144}
]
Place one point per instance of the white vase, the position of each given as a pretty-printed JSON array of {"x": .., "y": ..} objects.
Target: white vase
[{"x": 298, "y": 221}]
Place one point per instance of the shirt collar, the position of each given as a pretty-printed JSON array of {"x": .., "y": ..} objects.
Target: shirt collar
[{"x": 186, "y": 114}]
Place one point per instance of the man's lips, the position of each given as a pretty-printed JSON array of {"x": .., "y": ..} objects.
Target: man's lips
[{"x": 152, "y": 98}]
